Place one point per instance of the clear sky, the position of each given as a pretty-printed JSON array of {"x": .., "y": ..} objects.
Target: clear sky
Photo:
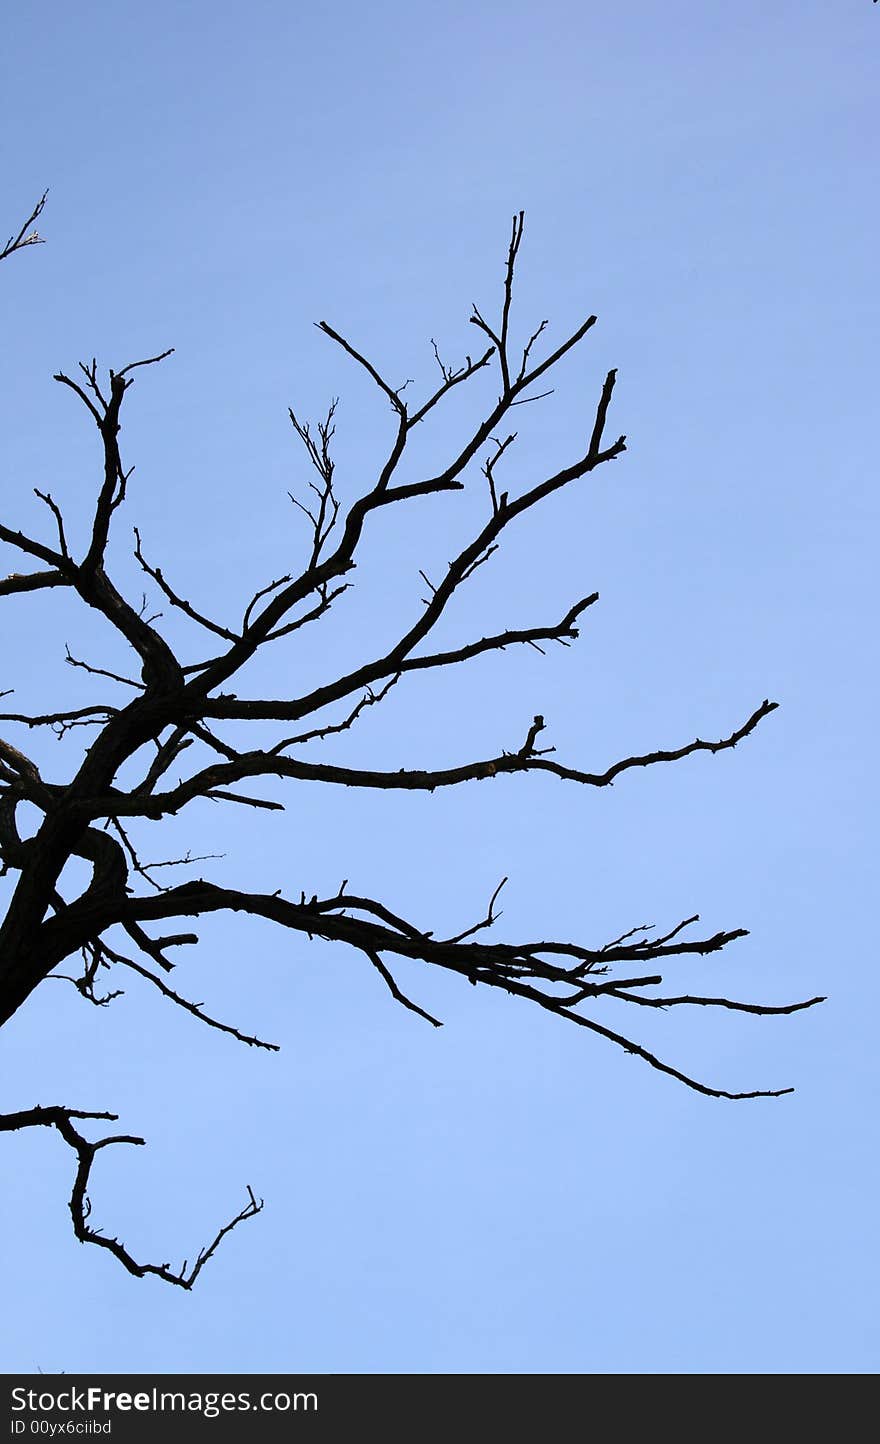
[{"x": 505, "y": 1194}]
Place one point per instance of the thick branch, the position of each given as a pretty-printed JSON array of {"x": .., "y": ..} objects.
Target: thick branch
[{"x": 31, "y": 582}]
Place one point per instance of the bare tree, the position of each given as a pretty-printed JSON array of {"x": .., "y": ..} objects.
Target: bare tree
[{"x": 177, "y": 705}]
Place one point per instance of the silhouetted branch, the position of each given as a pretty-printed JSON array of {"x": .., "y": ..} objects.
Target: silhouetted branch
[
  {"x": 174, "y": 599},
  {"x": 80, "y": 1205},
  {"x": 271, "y": 764},
  {"x": 196, "y": 1009},
  {"x": 26, "y": 236},
  {"x": 92, "y": 716}
]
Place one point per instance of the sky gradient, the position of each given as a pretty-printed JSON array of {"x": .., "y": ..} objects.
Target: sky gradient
[{"x": 504, "y": 1194}]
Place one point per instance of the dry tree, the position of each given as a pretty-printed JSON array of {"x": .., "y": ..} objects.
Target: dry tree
[{"x": 123, "y": 920}]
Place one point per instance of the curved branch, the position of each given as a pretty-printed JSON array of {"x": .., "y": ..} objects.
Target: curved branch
[
  {"x": 80, "y": 1204},
  {"x": 270, "y": 764}
]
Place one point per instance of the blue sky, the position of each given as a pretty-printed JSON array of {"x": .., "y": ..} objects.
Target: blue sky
[{"x": 504, "y": 1194}]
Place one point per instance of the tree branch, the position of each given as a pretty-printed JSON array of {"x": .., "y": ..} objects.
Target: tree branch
[
  {"x": 26, "y": 236},
  {"x": 526, "y": 970},
  {"x": 174, "y": 706},
  {"x": 80, "y": 1205},
  {"x": 263, "y": 764},
  {"x": 176, "y": 601}
]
